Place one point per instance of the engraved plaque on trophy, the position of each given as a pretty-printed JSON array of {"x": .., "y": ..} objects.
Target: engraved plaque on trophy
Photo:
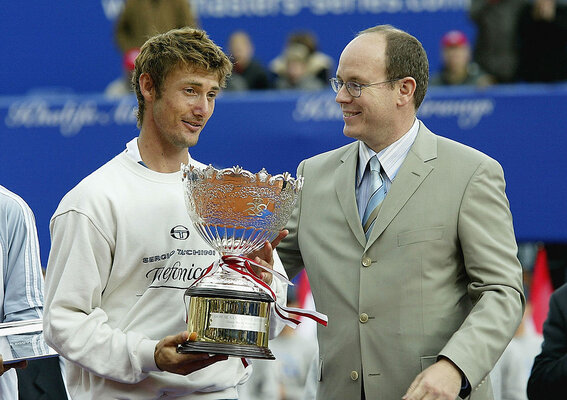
[{"x": 236, "y": 212}]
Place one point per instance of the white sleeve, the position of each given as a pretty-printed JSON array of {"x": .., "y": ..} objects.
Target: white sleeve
[
  {"x": 23, "y": 287},
  {"x": 280, "y": 289},
  {"x": 75, "y": 324}
]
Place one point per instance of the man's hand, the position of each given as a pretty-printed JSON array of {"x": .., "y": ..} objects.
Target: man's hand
[
  {"x": 265, "y": 257},
  {"x": 442, "y": 381},
  {"x": 168, "y": 359},
  {"x": 6, "y": 367}
]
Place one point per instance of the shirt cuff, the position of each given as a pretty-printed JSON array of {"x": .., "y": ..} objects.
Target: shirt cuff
[{"x": 146, "y": 350}]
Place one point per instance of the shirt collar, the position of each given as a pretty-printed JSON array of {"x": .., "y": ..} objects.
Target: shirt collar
[
  {"x": 133, "y": 152},
  {"x": 391, "y": 158}
]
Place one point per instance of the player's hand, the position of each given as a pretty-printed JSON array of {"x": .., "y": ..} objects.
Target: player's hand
[{"x": 168, "y": 359}]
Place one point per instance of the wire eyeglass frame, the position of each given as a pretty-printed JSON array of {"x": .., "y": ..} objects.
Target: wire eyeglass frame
[{"x": 355, "y": 88}]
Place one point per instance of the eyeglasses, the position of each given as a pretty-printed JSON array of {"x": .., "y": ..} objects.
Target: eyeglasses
[{"x": 353, "y": 88}]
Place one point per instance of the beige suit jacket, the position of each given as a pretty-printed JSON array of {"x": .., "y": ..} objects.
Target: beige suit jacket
[{"x": 438, "y": 276}]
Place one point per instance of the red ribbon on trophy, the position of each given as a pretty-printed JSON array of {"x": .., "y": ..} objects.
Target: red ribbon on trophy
[{"x": 244, "y": 266}]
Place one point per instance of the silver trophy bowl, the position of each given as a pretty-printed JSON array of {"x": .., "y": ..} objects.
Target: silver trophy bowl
[{"x": 236, "y": 212}]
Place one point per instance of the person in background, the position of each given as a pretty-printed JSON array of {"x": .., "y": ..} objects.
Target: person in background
[
  {"x": 141, "y": 19},
  {"x": 407, "y": 240},
  {"x": 284, "y": 378},
  {"x": 122, "y": 86},
  {"x": 247, "y": 73},
  {"x": 296, "y": 74},
  {"x": 118, "y": 268},
  {"x": 21, "y": 294},
  {"x": 543, "y": 41},
  {"x": 294, "y": 355},
  {"x": 457, "y": 67},
  {"x": 496, "y": 43},
  {"x": 549, "y": 372},
  {"x": 318, "y": 64},
  {"x": 511, "y": 373}
]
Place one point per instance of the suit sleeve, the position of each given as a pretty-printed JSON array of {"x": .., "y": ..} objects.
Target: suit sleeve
[
  {"x": 489, "y": 250},
  {"x": 549, "y": 372}
]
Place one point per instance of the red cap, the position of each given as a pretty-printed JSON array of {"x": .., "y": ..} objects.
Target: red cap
[
  {"x": 454, "y": 38},
  {"x": 128, "y": 61}
]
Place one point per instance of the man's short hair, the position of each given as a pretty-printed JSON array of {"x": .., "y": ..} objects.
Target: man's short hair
[{"x": 405, "y": 56}]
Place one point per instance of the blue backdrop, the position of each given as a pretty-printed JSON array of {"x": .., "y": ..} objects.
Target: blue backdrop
[
  {"x": 68, "y": 45},
  {"x": 49, "y": 143}
]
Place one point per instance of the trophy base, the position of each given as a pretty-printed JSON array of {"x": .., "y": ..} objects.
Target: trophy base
[{"x": 227, "y": 349}]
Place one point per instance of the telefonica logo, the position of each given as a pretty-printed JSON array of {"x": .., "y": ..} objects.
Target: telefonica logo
[{"x": 179, "y": 232}]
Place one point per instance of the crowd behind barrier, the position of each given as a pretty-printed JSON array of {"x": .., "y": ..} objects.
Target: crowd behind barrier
[
  {"x": 49, "y": 143},
  {"x": 72, "y": 46}
]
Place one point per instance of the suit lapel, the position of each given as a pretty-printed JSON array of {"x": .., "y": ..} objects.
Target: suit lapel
[
  {"x": 411, "y": 175},
  {"x": 345, "y": 176}
]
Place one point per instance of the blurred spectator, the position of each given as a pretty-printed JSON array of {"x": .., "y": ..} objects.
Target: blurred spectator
[
  {"x": 496, "y": 44},
  {"x": 510, "y": 374},
  {"x": 294, "y": 354},
  {"x": 557, "y": 262},
  {"x": 122, "y": 86},
  {"x": 310, "y": 390},
  {"x": 549, "y": 373},
  {"x": 289, "y": 371},
  {"x": 296, "y": 74},
  {"x": 543, "y": 41},
  {"x": 317, "y": 63},
  {"x": 141, "y": 19},
  {"x": 457, "y": 67},
  {"x": 248, "y": 73},
  {"x": 263, "y": 384}
]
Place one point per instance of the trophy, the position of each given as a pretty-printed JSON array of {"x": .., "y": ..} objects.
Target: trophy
[{"x": 236, "y": 212}]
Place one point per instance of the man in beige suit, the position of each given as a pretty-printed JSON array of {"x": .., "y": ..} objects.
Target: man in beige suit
[{"x": 422, "y": 301}]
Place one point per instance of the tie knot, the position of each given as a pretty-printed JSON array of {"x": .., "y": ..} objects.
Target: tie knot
[{"x": 374, "y": 164}]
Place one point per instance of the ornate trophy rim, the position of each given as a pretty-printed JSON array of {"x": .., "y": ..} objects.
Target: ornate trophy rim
[
  {"x": 229, "y": 228},
  {"x": 260, "y": 176}
]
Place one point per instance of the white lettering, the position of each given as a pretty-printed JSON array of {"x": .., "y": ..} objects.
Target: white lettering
[
  {"x": 291, "y": 7},
  {"x": 70, "y": 117},
  {"x": 238, "y": 322},
  {"x": 263, "y": 8},
  {"x": 317, "y": 107},
  {"x": 469, "y": 112},
  {"x": 112, "y": 8},
  {"x": 378, "y": 6},
  {"x": 125, "y": 113},
  {"x": 337, "y": 7}
]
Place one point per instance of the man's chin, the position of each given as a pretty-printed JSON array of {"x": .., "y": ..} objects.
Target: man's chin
[
  {"x": 349, "y": 132},
  {"x": 192, "y": 140}
]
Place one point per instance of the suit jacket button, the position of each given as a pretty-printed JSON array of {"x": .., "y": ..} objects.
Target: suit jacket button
[
  {"x": 366, "y": 261},
  {"x": 363, "y": 318},
  {"x": 354, "y": 375}
]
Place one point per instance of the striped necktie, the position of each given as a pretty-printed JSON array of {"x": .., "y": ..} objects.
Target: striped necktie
[{"x": 378, "y": 193}]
